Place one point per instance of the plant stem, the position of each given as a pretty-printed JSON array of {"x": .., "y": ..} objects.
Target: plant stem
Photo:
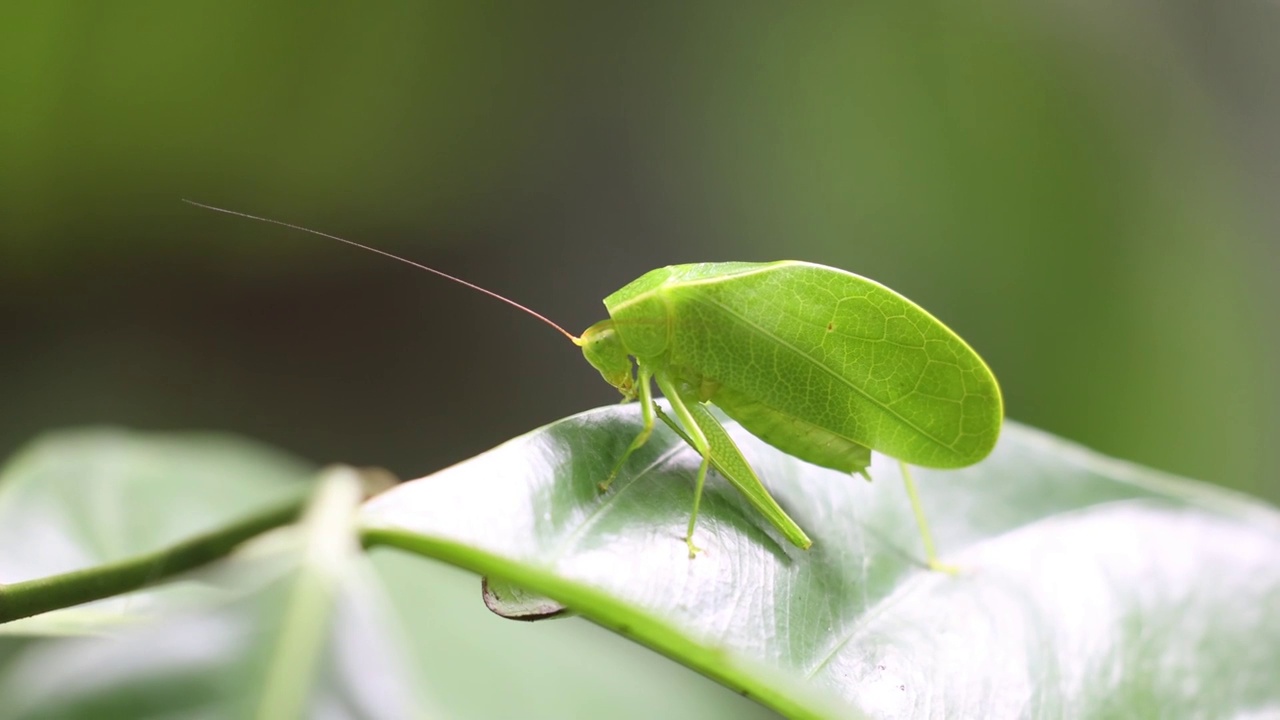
[{"x": 32, "y": 597}]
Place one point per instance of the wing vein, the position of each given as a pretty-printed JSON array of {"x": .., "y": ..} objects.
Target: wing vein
[{"x": 821, "y": 366}]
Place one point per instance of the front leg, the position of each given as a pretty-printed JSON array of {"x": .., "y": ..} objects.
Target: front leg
[
  {"x": 646, "y": 412},
  {"x": 700, "y": 443}
]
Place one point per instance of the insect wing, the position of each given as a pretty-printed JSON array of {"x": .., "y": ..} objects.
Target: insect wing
[{"x": 807, "y": 356}]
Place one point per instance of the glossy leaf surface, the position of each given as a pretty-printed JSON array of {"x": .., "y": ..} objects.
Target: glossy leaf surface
[
  {"x": 1088, "y": 586},
  {"x": 395, "y": 637}
]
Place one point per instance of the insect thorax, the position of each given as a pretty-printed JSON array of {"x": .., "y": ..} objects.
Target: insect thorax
[{"x": 644, "y": 323}]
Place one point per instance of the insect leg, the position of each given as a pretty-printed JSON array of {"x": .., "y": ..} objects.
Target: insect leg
[
  {"x": 646, "y": 412},
  {"x": 700, "y": 444},
  {"x": 727, "y": 458},
  {"x": 931, "y": 555}
]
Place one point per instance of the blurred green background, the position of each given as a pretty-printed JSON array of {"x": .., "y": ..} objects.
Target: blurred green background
[{"x": 1085, "y": 192}]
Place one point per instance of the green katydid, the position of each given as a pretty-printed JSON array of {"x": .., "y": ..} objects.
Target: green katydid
[{"x": 820, "y": 363}]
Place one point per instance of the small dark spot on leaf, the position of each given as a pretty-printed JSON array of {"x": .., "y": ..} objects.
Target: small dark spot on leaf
[{"x": 831, "y": 326}]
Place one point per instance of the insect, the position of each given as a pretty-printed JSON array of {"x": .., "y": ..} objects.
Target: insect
[{"x": 823, "y": 364}]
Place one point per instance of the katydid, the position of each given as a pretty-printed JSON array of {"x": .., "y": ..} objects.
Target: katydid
[{"x": 818, "y": 362}]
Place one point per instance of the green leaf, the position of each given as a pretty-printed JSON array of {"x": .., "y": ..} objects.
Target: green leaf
[
  {"x": 396, "y": 637},
  {"x": 78, "y": 499},
  {"x": 1088, "y": 586},
  {"x": 307, "y": 607},
  {"x": 477, "y": 665}
]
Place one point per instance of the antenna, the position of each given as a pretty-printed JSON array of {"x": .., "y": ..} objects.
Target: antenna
[{"x": 420, "y": 266}]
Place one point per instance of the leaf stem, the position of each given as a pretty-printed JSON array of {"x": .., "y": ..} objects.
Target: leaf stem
[{"x": 32, "y": 597}]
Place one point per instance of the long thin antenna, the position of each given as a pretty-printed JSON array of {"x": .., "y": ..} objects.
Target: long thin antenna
[{"x": 384, "y": 253}]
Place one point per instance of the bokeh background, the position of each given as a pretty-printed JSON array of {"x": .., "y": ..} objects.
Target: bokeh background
[{"x": 1085, "y": 191}]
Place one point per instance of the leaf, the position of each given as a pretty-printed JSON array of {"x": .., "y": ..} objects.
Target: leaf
[
  {"x": 1088, "y": 586},
  {"x": 480, "y": 666},
  {"x": 278, "y": 650},
  {"x": 76, "y": 499},
  {"x": 385, "y": 626},
  {"x": 516, "y": 603}
]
